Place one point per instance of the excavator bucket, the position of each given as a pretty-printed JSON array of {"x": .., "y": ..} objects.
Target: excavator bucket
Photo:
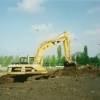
[
  {"x": 67, "y": 64},
  {"x": 70, "y": 64}
]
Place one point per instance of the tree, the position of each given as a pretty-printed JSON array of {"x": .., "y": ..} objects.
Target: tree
[
  {"x": 53, "y": 61},
  {"x": 1, "y": 60},
  {"x": 59, "y": 55},
  {"x": 78, "y": 57},
  {"x": 94, "y": 61},
  {"x": 9, "y": 60},
  {"x": 16, "y": 59},
  {"x": 82, "y": 58},
  {"x": 63, "y": 60},
  {"x": 85, "y": 55},
  {"x": 5, "y": 60},
  {"x": 47, "y": 61}
]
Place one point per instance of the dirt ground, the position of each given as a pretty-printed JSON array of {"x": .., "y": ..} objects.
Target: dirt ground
[{"x": 63, "y": 84}]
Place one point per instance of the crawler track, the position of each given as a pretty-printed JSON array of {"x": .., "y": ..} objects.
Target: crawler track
[{"x": 7, "y": 79}]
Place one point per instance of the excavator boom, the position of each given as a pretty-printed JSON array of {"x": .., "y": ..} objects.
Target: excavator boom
[{"x": 63, "y": 37}]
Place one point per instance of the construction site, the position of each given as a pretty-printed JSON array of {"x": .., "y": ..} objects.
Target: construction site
[
  {"x": 29, "y": 80},
  {"x": 67, "y": 83}
]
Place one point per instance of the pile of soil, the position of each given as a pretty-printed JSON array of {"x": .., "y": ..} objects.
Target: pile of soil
[
  {"x": 71, "y": 71},
  {"x": 6, "y": 79}
]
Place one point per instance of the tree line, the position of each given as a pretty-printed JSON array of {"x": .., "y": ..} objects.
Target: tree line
[
  {"x": 6, "y": 60},
  {"x": 82, "y": 58}
]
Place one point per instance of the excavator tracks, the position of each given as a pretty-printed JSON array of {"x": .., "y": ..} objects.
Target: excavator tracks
[{"x": 6, "y": 79}]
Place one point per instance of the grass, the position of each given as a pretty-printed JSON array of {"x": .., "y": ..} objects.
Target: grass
[{"x": 4, "y": 69}]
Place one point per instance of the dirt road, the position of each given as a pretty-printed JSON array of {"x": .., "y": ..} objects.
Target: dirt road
[{"x": 65, "y": 85}]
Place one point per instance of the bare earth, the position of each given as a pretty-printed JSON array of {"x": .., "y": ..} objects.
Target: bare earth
[
  {"x": 2, "y": 73},
  {"x": 64, "y": 84}
]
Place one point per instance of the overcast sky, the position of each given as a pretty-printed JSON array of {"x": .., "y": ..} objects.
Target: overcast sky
[{"x": 19, "y": 20}]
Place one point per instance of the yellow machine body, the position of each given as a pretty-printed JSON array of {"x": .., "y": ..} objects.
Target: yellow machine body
[{"x": 33, "y": 65}]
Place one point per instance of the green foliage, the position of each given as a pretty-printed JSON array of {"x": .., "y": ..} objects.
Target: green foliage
[
  {"x": 59, "y": 55},
  {"x": 6, "y": 60},
  {"x": 94, "y": 61},
  {"x": 47, "y": 61},
  {"x": 53, "y": 61},
  {"x": 62, "y": 61},
  {"x": 16, "y": 59},
  {"x": 82, "y": 58},
  {"x": 85, "y": 55}
]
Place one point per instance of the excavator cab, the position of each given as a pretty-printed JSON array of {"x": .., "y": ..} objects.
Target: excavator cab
[
  {"x": 23, "y": 60},
  {"x": 26, "y": 60},
  {"x": 31, "y": 60}
]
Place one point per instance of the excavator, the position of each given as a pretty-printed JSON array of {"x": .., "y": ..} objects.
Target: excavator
[{"x": 34, "y": 64}]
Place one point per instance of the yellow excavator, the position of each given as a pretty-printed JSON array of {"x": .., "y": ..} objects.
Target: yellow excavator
[{"x": 34, "y": 65}]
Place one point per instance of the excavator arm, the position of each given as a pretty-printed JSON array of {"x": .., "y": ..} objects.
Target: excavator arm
[{"x": 63, "y": 37}]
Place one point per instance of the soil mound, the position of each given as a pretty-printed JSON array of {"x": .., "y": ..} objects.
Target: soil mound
[
  {"x": 6, "y": 79},
  {"x": 71, "y": 71}
]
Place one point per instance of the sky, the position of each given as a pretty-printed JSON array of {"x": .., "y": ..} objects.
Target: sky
[{"x": 20, "y": 20}]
